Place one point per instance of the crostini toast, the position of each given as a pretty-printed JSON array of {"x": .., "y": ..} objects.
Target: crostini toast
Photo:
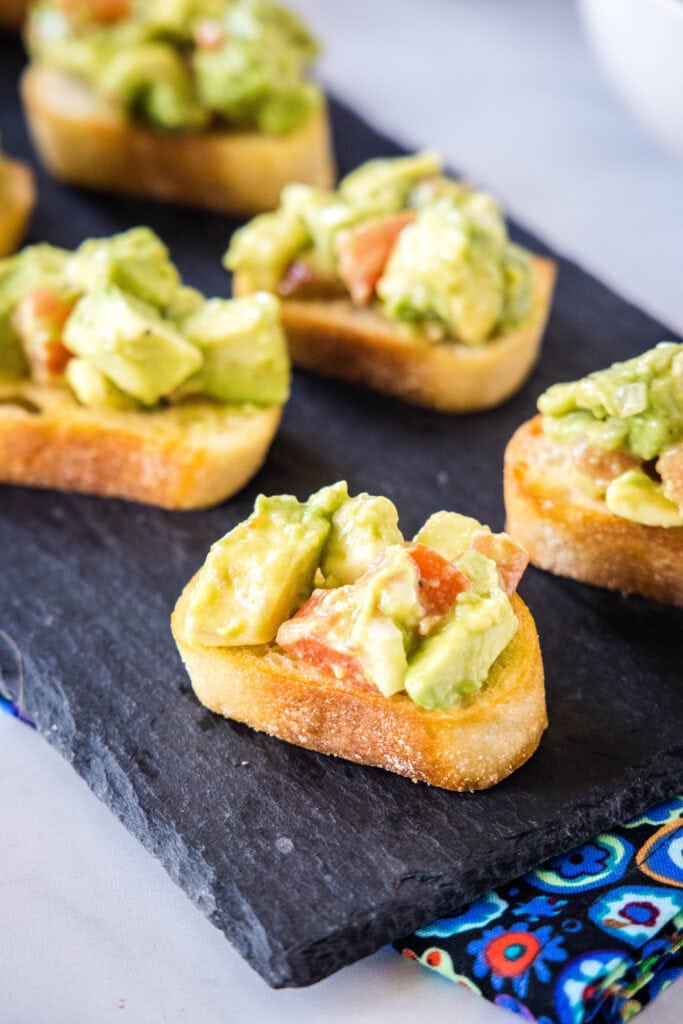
[
  {"x": 83, "y": 143},
  {"x": 317, "y": 623},
  {"x": 358, "y": 344},
  {"x": 16, "y": 203},
  {"x": 571, "y": 532}
]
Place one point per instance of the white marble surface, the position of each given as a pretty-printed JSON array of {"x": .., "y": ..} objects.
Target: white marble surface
[{"x": 91, "y": 928}]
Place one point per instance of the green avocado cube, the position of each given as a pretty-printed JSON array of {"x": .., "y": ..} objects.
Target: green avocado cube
[
  {"x": 455, "y": 660},
  {"x": 263, "y": 249},
  {"x": 385, "y": 184},
  {"x": 137, "y": 261},
  {"x": 635, "y": 496},
  {"x": 130, "y": 344},
  {"x": 258, "y": 575},
  {"x": 243, "y": 348},
  {"x": 95, "y": 391},
  {"x": 362, "y": 529},
  {"x": 449, "y": 533}
]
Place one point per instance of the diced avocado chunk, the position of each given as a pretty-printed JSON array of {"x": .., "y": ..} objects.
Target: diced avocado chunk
[
  {"x": 362, "y": 528},
  {"x": 517, "y": 280},
  {"x": 12, "y": 359},
  {"x": 384, "y": 616},
  {"x": 455, "y": 660},
  {"x": 137, "y": 261},
  {"x": 635, "y": 496},
  {"x": 52, "y": 41},
  {"x": 328, "y": 499},
  {"x": 288, "y": 109},
  {"x": 127, "y": 341},
  {"x": 384, "y": 185},
  {"x": 185, "y": 301},
  {"x": 175, "y": 19},
  {"x": 93, "y": 390},
  {"x": 153, "y": 81},
  {"x": 238, "y": 82},
  {"x": 244, "y": 349},
  {"x": 373, "y": 621},
  {"x": 324, "y": 215},
  {"x": 255, "y": 76},
  {"x": 446, "y": 270},
  {"x": 449, "y": 533},
  {"x": 636, "y": 405},
  {"x": 259, "y": 574},
  {"x": 264, "y": 248}
]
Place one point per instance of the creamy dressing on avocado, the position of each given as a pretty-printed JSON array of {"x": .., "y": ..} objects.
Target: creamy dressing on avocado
[
  {"x": 185, "y": 64},
  {"x": 114, "y": 323},
  {"x": 334, "y": 581},
  {"x": 635, "y": 407},
  {"x": 452, "y": 273}
]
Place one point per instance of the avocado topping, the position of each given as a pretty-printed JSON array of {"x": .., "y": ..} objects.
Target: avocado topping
[
  {"x": 114, "y": 324},
  {"x": 184, "y": 64},
  {"x": 634, "y": 408},
  {"x": 335, "y": 584},
  {"x": 432, "y": 253}
]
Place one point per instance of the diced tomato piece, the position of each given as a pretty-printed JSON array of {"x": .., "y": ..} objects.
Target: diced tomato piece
[
  {"x": 363, "y": 253},
  {"x": 103, "y": 12},
  {"x": 440, "y": 582},
  {"x": 309, "y": 635},
  {"x": 319, "y": 632},
  {"x": 39, "y": 320},
  {"x": 600, "y": 465},
  {"x": 670, "y": 468},
  {"x": 509, "y": 556},
  {"x": 209, "y": 34},
  {"x": 315, "y": 651}
]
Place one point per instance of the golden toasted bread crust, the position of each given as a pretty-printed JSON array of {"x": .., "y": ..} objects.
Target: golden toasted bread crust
[
  {"x": 84, "y": 143},
  {"x": 472, "y": 746},
  {"x": 12, "y": 13},
  {"x": 191, "y": 455},
  {"x": 359, "y": 344},
  {"x": 16, "y": 204},
  {"x": 571, "y": 533}
]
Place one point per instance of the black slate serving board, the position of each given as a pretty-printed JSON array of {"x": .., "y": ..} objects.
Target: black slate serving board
[{"x": 306, "y": 862}]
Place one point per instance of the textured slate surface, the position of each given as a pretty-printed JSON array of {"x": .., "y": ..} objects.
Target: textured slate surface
[{"x": 307, "y": 863}]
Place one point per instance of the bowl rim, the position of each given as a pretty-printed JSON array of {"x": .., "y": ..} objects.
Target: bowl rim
[{"x": 671, "y": 5}]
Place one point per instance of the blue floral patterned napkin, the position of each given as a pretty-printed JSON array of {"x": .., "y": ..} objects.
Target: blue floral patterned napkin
[
  {"x": 592, "y": 935},
  {"x": 12, "y": 709}
]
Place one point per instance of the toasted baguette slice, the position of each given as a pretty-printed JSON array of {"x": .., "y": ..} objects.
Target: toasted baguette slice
[
  {"x": 84, "y": 143},
  {"x": 16, "y": 204},
  {"x": 187, "y": 456},
  {"x": 335, "y": 338},
  {"x": 472, "y": 746},
  {"x": 566, "y": 530},
  {"x": 12, "y": 14}
]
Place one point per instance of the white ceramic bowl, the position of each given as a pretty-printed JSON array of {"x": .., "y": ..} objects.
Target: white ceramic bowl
[{"x": 640, "y": 45}]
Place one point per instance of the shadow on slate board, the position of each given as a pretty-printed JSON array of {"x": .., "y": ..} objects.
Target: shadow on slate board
[{"x": 87, "y": 586}]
